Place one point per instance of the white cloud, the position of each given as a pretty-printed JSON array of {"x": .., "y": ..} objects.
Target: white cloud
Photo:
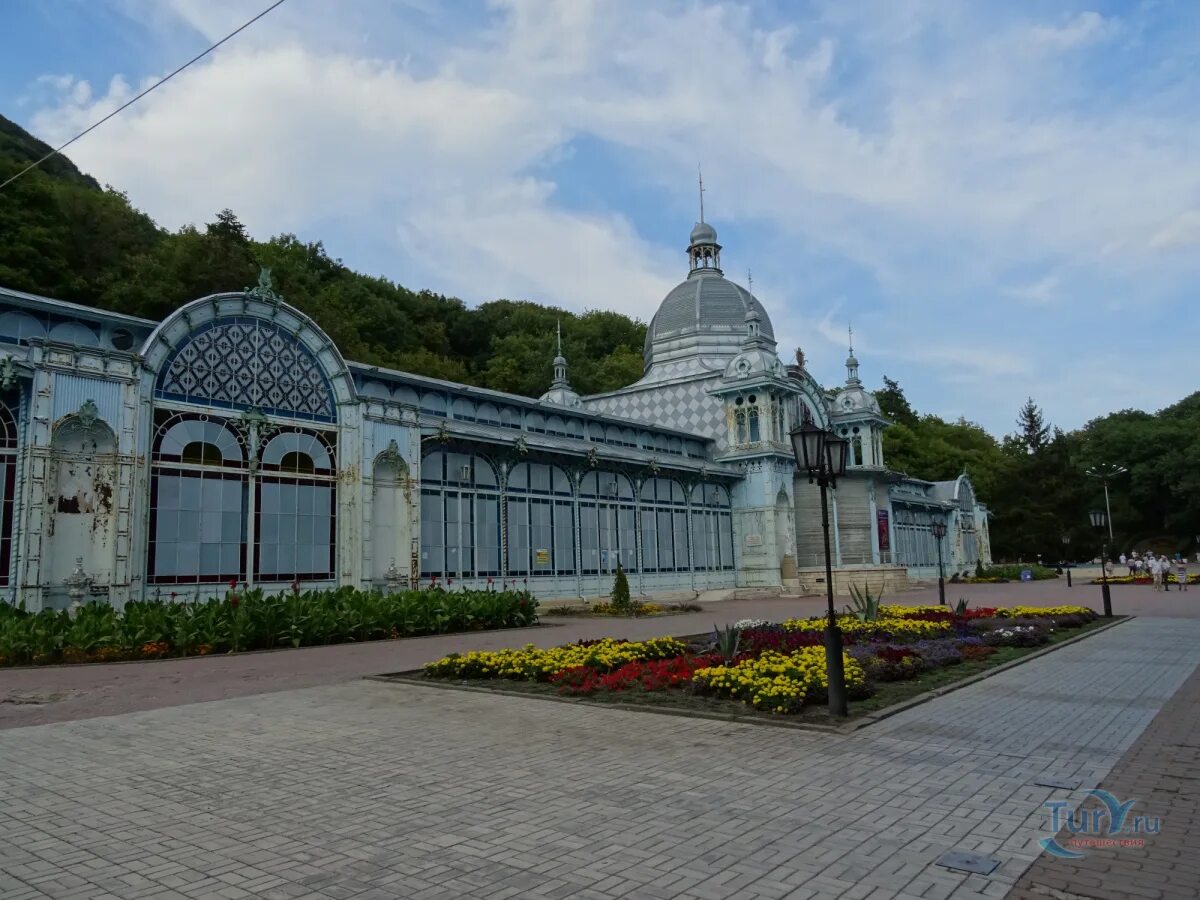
[{"x": 933, "y": 148}]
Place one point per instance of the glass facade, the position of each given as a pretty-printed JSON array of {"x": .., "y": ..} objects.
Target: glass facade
[{"x": 201, "y": 517}]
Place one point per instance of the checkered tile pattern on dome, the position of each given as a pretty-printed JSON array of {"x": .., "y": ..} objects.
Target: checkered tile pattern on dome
[{"x": 686, "y": 406}]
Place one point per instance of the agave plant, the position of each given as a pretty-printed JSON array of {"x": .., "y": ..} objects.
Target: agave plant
[
  {"x": 960, "y": 608},
  {"x": 865, "y": 606},
  {"x": 727, "y": 641}
]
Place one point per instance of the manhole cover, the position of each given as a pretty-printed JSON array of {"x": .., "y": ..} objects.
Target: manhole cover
[{"x": 976, "y": 863}]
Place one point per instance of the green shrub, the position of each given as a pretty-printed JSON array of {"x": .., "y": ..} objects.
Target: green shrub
[
  {"x": 251, "y": 620},
  {"x": 620, "y": 592}
]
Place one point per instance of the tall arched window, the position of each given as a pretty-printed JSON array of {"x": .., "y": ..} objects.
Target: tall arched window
[
  {"x": 296, "y": 508},
  {"x": 198, "y": 500},
  {"x": 460, "y": 516},
  {"x": 8, "y": 481},
  {"x": 712, "y": 528},
  {"x": 541, "y": 521},
  {"x": 607, "y": 523},
  {"x": 664, "y": 526}
]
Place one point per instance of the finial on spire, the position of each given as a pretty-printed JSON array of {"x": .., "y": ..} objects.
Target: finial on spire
[
  {"x": 558, "y": 332},
  {"x": 749, "y": 281},
  {"x": 850, "y": 329},
  {"x": 700, "y": 175}
]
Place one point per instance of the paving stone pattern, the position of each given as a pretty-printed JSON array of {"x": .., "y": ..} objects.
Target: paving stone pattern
[
  {"x": 374, "y": 790},
  {"x": 1161, "y": 771}
]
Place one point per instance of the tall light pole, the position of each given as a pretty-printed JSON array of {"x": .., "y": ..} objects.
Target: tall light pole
[
  {"x": 822, "y": 455},
  {"x": 1099, "y": 518},
  {"x": 1104, "y": 472},
  {"x": 939, "y": 532}
]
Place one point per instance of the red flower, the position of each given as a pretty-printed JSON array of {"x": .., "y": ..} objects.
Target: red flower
[
  {"x": 173, "y": 595},
  {"x": 296, "y": 586},
  {"x": 234, "y": 600},
  {"x": 490, "y": 580},
  {"x": 450, "y": 579}
]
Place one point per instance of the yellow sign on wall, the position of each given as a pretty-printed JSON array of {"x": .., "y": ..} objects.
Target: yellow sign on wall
[{"x": 541, "y": 557}]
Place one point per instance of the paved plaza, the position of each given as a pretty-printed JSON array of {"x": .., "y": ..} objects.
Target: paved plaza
[{"x": 371, "y": 790}]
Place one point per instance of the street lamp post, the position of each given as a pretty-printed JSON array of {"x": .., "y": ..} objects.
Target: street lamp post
[
  {"x": 1066, "y": 539},
  {"x": 939, "y": 532},
  {"x": 1104, "y": 473},
  {"x": 822, "y": 455},
  {"x": 1099, "y": 519}
]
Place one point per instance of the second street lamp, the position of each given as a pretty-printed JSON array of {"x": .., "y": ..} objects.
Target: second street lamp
[
  {"x": 1099, "y": 520},
  {"x": 1066, "y": 539},
  {"x": 822, "y": 456},
  {"x": 939, "y": 532}
]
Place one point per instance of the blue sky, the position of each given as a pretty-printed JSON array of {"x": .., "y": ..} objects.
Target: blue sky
[{"x": 1004, "y": 198}]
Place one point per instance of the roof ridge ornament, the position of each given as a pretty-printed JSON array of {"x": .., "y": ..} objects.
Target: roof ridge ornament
[{"x": 264, "y": 290}]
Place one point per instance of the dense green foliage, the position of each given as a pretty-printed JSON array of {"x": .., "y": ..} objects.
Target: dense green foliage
[
  {"x": 251, "y": 621},
  {"x": 1034, "y": 483},
  {"x": 64, "y": 237}
]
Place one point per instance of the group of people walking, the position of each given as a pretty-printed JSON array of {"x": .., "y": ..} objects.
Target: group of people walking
[{"x": 1158, "y": 568}]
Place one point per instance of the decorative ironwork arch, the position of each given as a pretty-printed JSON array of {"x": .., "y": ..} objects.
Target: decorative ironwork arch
[{"x": 244, "y": 363}]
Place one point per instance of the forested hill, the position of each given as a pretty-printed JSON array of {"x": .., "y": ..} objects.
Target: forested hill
[{"x": 63, "y": 236}]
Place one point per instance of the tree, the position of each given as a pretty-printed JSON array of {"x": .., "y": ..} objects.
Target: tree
[
  {"x": 620, "y": 599},
  {"x": 1032, "y": 431},
  {"x": 894, "y": 405}
]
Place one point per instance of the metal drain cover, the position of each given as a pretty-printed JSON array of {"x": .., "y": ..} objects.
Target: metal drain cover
[
  {"x": 976, "y": 863},
  {"x": 1057, "y": 783}
]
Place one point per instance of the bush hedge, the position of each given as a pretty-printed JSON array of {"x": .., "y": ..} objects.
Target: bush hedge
[{"x": 250, "y": 620}]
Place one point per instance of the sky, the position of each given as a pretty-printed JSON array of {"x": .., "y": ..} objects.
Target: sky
[{"x": 1002, "y": 198}]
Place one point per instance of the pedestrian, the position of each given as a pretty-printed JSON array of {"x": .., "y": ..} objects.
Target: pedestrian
[
  {"x": 1181, "y": 571},
  {"x": 1155, "y": 571},
  {"x": 1124, "y": 562},
  {"x": 1164, "y": 566}
]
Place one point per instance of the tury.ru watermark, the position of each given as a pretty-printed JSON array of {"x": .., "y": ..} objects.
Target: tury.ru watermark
[{"x": 1113, "y": 825}]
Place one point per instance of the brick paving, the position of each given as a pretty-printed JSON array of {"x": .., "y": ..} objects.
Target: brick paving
[
  {"x": 373, "y": 790},
  {"x": 34, "y": 696},
  {"x": 1161, "y": 771}
]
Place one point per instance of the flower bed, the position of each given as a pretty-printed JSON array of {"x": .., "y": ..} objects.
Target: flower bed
[
  {"x": 250, "y": 620},
  {"x": 1193, "y": 578},
  {"x": 773, "y": 668}
]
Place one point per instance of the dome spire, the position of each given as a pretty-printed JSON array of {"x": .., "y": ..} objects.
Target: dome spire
[
  {"x": 704, "y": 253},
  {"x": 851, "y": 360},
  {"x": 560, "y": 391}
]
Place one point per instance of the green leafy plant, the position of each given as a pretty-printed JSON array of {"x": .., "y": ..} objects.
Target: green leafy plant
[
  {"x": 727, "y": 641},
  {"x": 620, "y": 592},
  {"x": 960, "y": 608},
  {"x": 865, "y": 605}
]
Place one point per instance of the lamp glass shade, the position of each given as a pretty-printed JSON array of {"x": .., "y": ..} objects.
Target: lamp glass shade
[
  {"x": 1098, "y": 518},
  {"x": 939, "y": 530},
  {"x": 808, "y": 445},
  {"x": 837, "y": 452},
  {"x": 1066, "y": 539}
]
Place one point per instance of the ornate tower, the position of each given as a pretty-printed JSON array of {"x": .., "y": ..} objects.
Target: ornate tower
[{"x": 560, "y": 391}]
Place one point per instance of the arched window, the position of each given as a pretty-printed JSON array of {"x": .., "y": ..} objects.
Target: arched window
[
  {"x": 8, "y": 481},
  {"x": 541, "y": 521},
  {"x": 198, "y": 500},
  {"x": 664, "y": 531},
  {"x": 712, "y": 528},
  {"x": 202, "y": 529},
  {"x": 296, "y": 508},
  {"x": 607, "y": 523},
  {"x": 460, "y": 516}
]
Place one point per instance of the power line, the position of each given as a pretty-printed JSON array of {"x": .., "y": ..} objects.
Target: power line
[{"x": 159, "y": 83}]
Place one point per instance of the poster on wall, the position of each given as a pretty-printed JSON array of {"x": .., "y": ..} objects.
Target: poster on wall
[{"x": 885, "y": 533}]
